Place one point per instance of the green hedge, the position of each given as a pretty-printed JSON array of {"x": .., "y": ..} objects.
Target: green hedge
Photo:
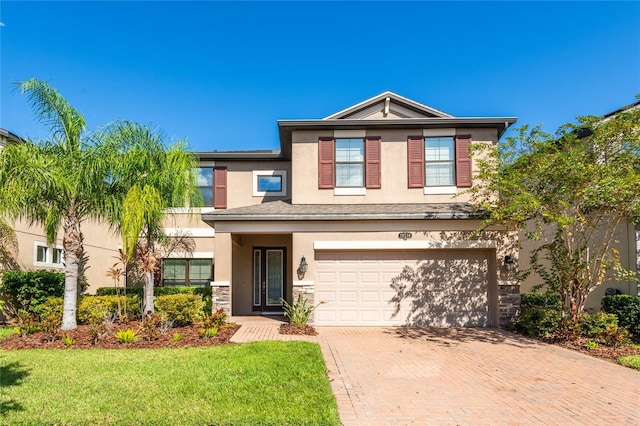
[
  {"x": 157, "y": 291},
  {"x": 29, "y": 289},
  {"x": 627, "y": 308},
  {"x": 541, "y": 300},
  {"x": 95, "y": 307},
  {"x": 183, "y": 309}
]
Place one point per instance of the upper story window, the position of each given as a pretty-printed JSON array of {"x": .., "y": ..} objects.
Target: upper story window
[
  {"x": 439, "y": 164},
  {"x": 349, "y": 163},
  {"x": 205, "y": 185},
  {"x": 47, "y": 255},
  {"x": 269, "y": 183},
  {"x": 439, "y": 161},
  {"x": 349, "y": 166}
]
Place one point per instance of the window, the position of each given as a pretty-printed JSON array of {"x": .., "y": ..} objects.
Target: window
[
  {"x": 205, "y": 185},
  {"x": 349, "y": 166},
  {"x": 47, "y": 255},
  {"x": 269, "y": 183},
  {"x": 439, "y": 164},
  {"x": 349, "y": 163},
  {"x": 439, "y": 161},
  {"x": 186, "y": 272}
]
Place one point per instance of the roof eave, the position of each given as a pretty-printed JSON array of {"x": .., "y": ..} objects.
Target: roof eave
[{"x": 212, "y": 217}]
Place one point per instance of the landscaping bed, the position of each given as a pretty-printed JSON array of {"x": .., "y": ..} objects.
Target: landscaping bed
[
  {"x": 601, "y": 351},
  {"x": 190, "y": 336}
]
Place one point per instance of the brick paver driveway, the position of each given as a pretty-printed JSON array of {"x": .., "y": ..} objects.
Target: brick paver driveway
[{"x": 471, "y": 376}]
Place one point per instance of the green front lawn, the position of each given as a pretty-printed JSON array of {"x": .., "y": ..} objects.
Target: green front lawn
[
  {"x": 254, "y": 383},
  {"x": 6, "y": 331},
  {"x": 632, "y": 361}
]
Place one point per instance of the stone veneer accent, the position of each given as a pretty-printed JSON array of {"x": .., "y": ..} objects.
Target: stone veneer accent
[
  {"x": 307, "y": 290},
  {"x": 508, "y": 302},
  {"x": 221, "y": 296}
]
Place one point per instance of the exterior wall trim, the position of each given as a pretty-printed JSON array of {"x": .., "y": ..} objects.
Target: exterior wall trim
[
  {"x": 190, "y": 232},
  {"x": 402, "y": 245}
]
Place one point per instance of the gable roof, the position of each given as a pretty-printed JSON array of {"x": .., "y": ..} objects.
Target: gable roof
[{"x": 388, "y": 105}]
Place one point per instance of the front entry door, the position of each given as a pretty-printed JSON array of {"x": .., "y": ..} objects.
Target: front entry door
[{"x": 268, "y": 278}]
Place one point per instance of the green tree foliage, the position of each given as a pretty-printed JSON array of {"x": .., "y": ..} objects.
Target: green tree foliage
[
  {"x": 76, "y": 175},
  {"x": 28, "y": 290},
  {"x": 571, "y": 190},
  {"x": 155, "y": 178}
]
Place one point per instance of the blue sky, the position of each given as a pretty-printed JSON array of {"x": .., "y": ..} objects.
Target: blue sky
[{"x": 221, "y": 74}]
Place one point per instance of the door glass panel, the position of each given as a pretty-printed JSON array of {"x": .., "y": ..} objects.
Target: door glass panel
[
  {"x": 257, "y": 277},
  {"x": 274, "y": 277}
]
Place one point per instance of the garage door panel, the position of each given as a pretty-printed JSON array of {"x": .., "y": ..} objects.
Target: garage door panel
[
  {"x": 348, "y": 296},
  {"x": 438, "y": 288}
]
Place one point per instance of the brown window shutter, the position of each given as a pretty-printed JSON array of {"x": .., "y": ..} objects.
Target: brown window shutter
[
  {"x": 463, "y": 161},
  {"x": 326, "y": 163},
  {"x": 220, "y": 187},
  {"x": 415, "y": 156},
  {"x": 373, "y": 172}
]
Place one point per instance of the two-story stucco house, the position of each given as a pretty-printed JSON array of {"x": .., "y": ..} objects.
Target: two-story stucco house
[{"x": 363, "y": 211}]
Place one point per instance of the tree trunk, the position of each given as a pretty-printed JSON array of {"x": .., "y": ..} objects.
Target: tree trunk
[
  {"x": 72, "y": 242},
  {"x": 148, "y": 293}
]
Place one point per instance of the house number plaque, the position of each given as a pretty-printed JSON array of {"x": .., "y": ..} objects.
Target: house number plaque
[{"x": 405, "y": 236}]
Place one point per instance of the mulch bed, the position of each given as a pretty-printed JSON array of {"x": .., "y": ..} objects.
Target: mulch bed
[
  {"x": 83, "y": 340},
  {"x": 307, "y": 330},
  {"x": 602, "y": 351}
]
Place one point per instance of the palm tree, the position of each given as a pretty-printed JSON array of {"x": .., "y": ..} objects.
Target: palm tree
[
  {"x": 57, "y": 183},
  {"x": 8, "y": 247},
  {"x": 124, "y": 176},
  {"x": 155, "y": 178}
]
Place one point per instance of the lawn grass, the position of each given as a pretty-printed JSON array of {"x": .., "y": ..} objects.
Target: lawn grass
[
  {"x": 254, "y": 383},
  {"x": 632, "y": 361},
  {"x": 6, "y": 331}
]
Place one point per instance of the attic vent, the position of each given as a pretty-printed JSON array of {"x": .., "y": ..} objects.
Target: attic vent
[{"x": 386, "y": 106}]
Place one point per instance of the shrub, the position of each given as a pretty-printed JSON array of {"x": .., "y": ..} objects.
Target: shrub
[
  {"x": 615, "y": 336},
  {"x": 204, "y": 292},
  {"x": 210, "y": 324},
  {"x": 29, "y": 289},
  {"x": 590, "y": 344},
  {"x": 209, "y": 333},
  {"x": 542, "y": 300},
  {"x": 103, "y": 306},
  {"x": 176, "y": 337},
  {"x": 155, "y": 325},
  {"x": 52, "y": 307},
  {"x": 127, "y": 336},
  {"x": 627, "y": 308},
  {"x": 538, "y": 321},
  {"x": 68, "y": 340},
  {"x": 26, "y": 323},
  {"x": 183, "y": 309},
  {"x": 594, "y": 325},
  {"x": 298, "y": 313}
]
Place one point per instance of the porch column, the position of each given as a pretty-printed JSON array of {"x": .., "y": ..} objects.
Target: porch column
[
  {"x": 221, "y": 284},
  {"x": 303, "y": 283}
]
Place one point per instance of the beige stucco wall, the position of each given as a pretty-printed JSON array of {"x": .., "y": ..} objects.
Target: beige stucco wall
[
  {"x": 240, "y": 181},
  {"x": 101, "y": 245},
  {"x": 394, "y": 170},
  {"x": 299, "y": 239},
  {"x": 624, "y": 242}
]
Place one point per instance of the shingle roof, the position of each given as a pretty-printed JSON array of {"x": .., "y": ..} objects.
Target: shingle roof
[{"x": 284, "y": 210}]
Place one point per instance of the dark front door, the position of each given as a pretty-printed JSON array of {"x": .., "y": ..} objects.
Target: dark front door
[{"x": 268, "y": 278}]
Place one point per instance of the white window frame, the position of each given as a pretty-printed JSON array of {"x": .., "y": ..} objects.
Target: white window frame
[
  {"x": 269, "y": 173},
  {"x": 48, "y": 263}
]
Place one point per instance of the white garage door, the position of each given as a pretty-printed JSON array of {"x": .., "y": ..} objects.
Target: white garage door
[{"x": 440, "y": 288}]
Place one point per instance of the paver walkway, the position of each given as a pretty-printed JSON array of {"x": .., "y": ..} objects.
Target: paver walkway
[{"x": 398, "y": 376}]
